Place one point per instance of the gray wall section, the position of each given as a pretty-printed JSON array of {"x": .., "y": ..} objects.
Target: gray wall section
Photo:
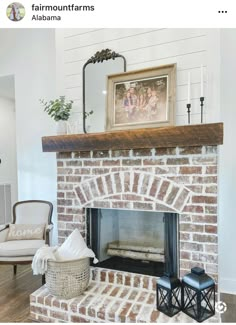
[{"x": 5, "y": 203}]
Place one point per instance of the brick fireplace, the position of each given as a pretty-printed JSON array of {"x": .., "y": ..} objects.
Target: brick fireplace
[{"x": 179, "y": 180}]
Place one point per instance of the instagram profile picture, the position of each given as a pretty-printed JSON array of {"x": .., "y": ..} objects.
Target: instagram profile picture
[{"x": 15, "y": 11}]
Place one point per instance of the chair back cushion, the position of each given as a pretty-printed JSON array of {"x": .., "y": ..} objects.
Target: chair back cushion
[
  {"x": 24, "y": 232},
  {"x": 32, "y": 212}
]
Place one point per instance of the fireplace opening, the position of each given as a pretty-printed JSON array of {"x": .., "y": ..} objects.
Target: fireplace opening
[{"x": 134, "y": 241}]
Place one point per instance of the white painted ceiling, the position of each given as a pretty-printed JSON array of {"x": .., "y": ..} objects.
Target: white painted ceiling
[{"x": 7, "y": 87}]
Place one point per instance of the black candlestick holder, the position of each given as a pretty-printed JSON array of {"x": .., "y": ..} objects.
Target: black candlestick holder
[
  {"x": 188, "y": 111},
  {"x": 202, "y": 104}
]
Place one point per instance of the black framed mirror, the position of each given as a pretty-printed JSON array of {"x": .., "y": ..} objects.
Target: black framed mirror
[{"x": 95, "y": 71}]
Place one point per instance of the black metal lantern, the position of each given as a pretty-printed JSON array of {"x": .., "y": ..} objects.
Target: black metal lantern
[
  {"x": 169, "y": 295},
  {"x": 198, "y": 295}
]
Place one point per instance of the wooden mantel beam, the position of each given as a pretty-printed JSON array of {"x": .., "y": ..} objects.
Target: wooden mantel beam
[{"x": 164, "y": 137}]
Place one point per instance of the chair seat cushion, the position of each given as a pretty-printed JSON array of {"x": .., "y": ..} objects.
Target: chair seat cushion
[{"x": 20, "y": 247}]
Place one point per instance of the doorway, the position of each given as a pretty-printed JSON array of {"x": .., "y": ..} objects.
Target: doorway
[{"x": 8, "y": 156}]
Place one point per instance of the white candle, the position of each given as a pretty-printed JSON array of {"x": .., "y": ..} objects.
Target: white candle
[
  {"x": 189, "y": 91},
  {"x": 202, "y": 82}
]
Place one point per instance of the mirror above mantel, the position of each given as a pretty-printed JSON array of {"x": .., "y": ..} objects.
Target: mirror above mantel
[{"x": 95, "y": 72}]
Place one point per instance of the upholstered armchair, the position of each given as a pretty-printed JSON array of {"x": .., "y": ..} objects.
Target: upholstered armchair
[{"x": 33, "y": 212}]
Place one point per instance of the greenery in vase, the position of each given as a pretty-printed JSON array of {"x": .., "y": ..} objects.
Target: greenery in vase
[{"x": 58, "y": 109}]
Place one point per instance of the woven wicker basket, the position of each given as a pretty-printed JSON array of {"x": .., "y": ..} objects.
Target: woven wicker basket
[{"x": 67, "y": 279}]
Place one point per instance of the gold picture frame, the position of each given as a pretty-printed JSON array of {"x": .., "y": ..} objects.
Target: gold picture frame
[{"x": 141, "y": 98}]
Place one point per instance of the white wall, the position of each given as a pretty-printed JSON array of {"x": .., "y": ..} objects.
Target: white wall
[
  {"x": 144, "y": 48},
  {"x": 227, "y": 174},
  {"x": 8, "y": 168},
  {"x": 29, "y": 55},
  {"x": 189, "y": 48}
]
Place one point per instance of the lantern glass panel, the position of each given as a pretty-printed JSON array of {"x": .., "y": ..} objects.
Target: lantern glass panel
[{"x": 169, "y": 296}]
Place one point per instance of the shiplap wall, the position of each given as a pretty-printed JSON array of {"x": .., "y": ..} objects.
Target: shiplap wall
[{"x": 144, "y": 48}]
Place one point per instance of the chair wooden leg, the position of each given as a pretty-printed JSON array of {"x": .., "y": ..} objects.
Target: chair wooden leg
[
  {"x": 15, "y": 269},
  {"x": 43, "y": 279}
]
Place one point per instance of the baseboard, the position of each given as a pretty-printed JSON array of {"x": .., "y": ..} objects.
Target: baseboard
[{"x": 227, "y": 285}]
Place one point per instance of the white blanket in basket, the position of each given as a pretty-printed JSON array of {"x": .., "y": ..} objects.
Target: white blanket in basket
[
  {"x": 73, "y": 248},
  {"x": 43, "y": 254}
]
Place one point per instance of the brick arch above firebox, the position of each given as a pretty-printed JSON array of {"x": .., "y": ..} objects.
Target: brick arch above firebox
[{"x": 133, "y": 189}]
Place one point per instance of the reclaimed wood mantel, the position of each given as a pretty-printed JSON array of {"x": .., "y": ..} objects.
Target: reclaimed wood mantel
[{"x": 164, "y": 137}]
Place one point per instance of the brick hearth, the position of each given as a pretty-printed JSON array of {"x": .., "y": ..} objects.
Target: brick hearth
[
  {"x": 181, "y": 180},
  {"x": 111, "y": 297}
]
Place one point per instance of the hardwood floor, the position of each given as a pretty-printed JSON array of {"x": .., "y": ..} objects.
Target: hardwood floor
[
  {"x": 230, "y": 315},
  {"x": 15, "y": 291}
]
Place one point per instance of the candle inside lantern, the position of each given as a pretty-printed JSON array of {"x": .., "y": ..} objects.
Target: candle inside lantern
[
  {"x": 201, "y": 81},
  {"x": 189, "y": 91}
]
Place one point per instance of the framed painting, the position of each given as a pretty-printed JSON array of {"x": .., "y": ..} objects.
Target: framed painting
[{"x": 141, "y": 98}]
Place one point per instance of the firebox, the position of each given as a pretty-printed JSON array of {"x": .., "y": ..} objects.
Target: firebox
[{"x": 134, "y": 241}]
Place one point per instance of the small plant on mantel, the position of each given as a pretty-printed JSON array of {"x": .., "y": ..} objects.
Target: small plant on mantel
[{"x": 58, "y": 109}]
